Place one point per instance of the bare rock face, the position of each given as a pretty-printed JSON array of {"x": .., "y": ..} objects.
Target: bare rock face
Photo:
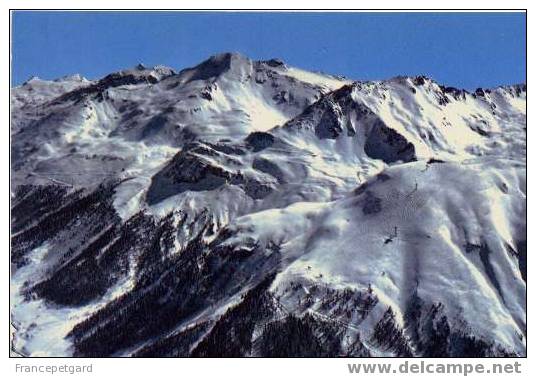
[
  {"x": 330, "y": 124},
  {"x": 193, "y": 169},
  {"x": 257, "y": 141},
  {"x": 388, "y": 145}
]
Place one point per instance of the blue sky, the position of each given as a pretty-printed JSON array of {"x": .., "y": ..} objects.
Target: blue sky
[{"x": 466, "y": 50}]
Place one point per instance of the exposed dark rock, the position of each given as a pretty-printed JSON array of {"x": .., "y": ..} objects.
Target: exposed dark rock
[
  {"x": 283, "y": 97},
  {"x": 257, "y": 141},
  {"x": 330, "y": 125},
  {"x": 189, "y": 170},
  {"x": 256, "y": 189},
  {"x": 480, "y": 92},
  {"x": 522, "y": 257},
  {"x": 275, "y": 63},
  {"x": 386, "y": 144},
  {"x": 419, "y": 80},
  {"x": 382, "y": 177},
  {"x": 455, "y": 92},
  {"x": 434, "y": 161},
  {"x": 361, "y": 189},
  {"x": 479, "y": 130},
  {"x": 268, "y": 167}
]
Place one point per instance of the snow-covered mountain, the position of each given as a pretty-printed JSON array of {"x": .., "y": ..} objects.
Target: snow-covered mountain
[{"x": 249, "y": 208}]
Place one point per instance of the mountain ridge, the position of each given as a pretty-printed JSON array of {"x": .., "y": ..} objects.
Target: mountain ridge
[{"x": 274, "y": 62}]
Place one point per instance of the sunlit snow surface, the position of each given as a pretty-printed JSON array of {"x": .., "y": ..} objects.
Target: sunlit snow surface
[
  {"x": 342, "y": 218},
  {"x": 338, "y": 245}
]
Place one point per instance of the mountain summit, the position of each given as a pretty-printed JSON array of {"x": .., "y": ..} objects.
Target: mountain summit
[{"x": 251, "y": 208}]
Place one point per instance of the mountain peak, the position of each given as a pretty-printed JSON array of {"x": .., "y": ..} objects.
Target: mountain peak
[
  {"x": 217, "y": 65},
  {"x": 226, "y": 57},
  {"x": 75, "y": 77},
  {"x": 275, "y": 62},
  {"x": 31, "y": 79}
]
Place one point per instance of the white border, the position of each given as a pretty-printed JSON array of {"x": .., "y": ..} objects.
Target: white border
[{"x": 224, "y": 367}]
